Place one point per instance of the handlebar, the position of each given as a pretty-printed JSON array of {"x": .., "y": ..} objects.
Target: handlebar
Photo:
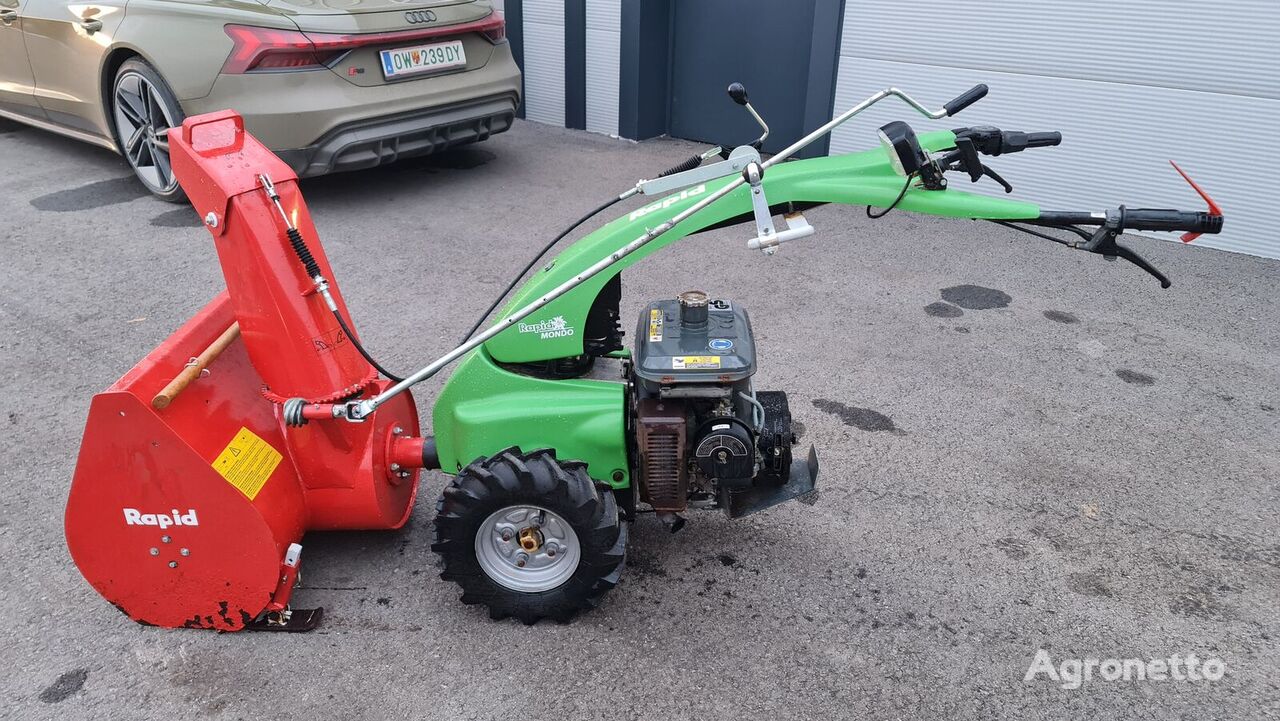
[
  {"x": 1137, "y": 219},
  {"x": 1113, "y": 222},
  {"x": 965, "y": 99},
  {"x": 993, "y": 141},
  {"x": 1160, "y": 219}
]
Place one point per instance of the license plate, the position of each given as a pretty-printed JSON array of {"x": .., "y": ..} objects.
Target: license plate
[{"x": 422, "y": 58}]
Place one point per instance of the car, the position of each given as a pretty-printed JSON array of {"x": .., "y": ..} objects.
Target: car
[{"x": 329, "y": 85}]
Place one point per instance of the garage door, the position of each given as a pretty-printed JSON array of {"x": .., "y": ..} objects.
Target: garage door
[
  {"x": 1130, "y": 85},
  {"x": 770, "y": 57}
]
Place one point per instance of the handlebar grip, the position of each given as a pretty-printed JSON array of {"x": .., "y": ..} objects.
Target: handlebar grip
[
  {"x": 965, "y": 99},
  {"x": 1043, "y": 140},
  {"x": 1159, "y": 219}
]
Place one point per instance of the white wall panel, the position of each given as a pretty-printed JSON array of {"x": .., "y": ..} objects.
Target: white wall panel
[
  {"x": 1125, "y": 97},
  {"x": 604, "y": 32},
  {"x": 544, "y": 61}
]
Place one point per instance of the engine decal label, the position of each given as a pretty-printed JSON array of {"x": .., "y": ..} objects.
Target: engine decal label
[
  {"x": 247, "y": 462},
  {"x": 655, "y": 325},
  {"x": 720, "y": 344},
  {"x": 695, "y": 361}
]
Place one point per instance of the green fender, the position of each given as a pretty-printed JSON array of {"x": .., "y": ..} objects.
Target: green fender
[{"x": 485, "y": 408}]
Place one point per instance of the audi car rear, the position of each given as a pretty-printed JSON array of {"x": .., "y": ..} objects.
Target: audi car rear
[{"x": 328, "y": 84}]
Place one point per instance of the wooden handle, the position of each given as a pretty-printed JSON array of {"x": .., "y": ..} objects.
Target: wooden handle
[{"x": 195, "y": 368}]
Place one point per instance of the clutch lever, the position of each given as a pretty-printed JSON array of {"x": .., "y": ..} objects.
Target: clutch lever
[
  {"x": 987, "y": 171},
  {"x": 1104, "y": 242},
  {"x": 965, "y": 158}
]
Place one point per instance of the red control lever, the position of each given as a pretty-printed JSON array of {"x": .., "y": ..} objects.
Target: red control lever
[{"x": 1213, "y": 207}]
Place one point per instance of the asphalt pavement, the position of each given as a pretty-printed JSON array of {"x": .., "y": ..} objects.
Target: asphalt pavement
[{"x": 1023, "y": 447}]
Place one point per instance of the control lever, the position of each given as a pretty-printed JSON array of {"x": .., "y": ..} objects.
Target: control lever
[
  {"x": 1103, "y": 242},
  {"x": 987, "y": 171},
  {"x": 767, "y": 237},
  {"x": 965, "y": 157},
  {"x": 692, "y": 170},
  {"x": 738, "y": 93}
]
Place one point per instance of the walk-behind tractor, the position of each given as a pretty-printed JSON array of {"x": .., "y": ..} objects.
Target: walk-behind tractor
[{"x": 263, "y": 417}]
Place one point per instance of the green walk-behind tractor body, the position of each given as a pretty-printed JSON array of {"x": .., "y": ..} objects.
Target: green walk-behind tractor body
[
  {"x": 493, "y": 400},
  {"x": 301, "y": 429}
]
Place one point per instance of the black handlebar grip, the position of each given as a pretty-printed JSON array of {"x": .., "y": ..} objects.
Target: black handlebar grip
[
  {"x": 967, "y": 98},
  {"x": 1158, "y": 219},
  {"x": 1043, "y": 140},
  {"x": 738, "y": 93}
]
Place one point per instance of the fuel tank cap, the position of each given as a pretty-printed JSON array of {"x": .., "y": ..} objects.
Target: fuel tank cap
[{"x": 693, "y": 308}]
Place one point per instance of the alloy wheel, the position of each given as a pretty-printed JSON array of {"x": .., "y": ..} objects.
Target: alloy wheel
[{"x": 142, "y": 121}]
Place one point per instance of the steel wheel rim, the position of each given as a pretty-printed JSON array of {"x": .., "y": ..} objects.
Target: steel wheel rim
[
  {"x": 499, "y": 550},
  {"x": 142, "y": 118}
]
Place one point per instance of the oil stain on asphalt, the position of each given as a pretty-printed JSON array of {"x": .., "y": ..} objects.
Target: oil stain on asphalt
[
  {"x": 863, "y": 419},
  {"x": 943, "y": 310},
  {"x": 975, "y": 297},
  {"x": 93, "y": 195},
  {"x": 1134, "y": 377},
  {"x": 968, "y": 297},
  {"x": 66, "y": 686}
]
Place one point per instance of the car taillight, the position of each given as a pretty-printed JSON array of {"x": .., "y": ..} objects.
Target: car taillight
[
  {"x": 497, "y": 31},
  {"x": 266, "y": 49}
]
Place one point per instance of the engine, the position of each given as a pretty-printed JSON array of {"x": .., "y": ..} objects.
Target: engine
[{"x": 703, "y": 435}]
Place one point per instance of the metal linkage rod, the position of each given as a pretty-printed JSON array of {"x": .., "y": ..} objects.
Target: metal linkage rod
[{"x": 360, "y": 409}]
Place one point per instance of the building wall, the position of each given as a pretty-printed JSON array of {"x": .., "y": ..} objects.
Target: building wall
[
  {"x": 543, "y": 36},
  {"x": 1130, "y": 85},
  {"x": 603, "y": 60}
]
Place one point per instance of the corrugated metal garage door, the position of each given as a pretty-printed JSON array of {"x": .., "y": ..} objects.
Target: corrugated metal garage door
[
  {"x": 1130, "y": 84},
  {"x": 603, "y": 36},
  {"x": 544, "y": 61}
]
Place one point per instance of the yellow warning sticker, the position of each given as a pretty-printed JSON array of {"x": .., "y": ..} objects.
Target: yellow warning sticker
[
  {"x": 655, "y": 325},
  {"x": 247, "y": 462},
  {"x": 695, "y": 361}
]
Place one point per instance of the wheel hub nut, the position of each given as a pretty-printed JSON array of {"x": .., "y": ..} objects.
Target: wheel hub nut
[{"x": 530, "y": 539}]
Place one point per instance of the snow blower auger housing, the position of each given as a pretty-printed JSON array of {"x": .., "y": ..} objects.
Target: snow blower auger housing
[
  {"x": 192, "y": 493},
  {"x": 263, "y": 417}
]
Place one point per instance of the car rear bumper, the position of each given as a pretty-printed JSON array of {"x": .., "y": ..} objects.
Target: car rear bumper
[
  {"x": 373, "y": 142},
  {"x": 321, "y": 123}
]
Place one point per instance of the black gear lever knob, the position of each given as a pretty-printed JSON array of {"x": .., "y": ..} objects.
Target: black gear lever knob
[{"x": 738, "y": 93}]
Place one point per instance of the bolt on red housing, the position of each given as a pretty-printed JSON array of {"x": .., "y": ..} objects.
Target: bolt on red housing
[{"x": 183, "y": 515}]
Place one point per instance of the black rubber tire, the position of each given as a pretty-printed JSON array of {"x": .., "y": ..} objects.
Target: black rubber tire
[
  {"x": 513, "y": 478},
  {"x": 141, "y": 67}
]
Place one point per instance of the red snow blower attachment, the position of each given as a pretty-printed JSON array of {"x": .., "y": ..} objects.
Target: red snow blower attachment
[{"x": 198, "y": 475}]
